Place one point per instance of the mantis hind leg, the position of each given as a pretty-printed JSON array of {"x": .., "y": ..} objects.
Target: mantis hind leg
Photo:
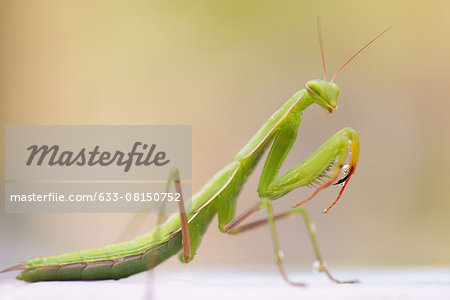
[{"x": 174, "y": 178}]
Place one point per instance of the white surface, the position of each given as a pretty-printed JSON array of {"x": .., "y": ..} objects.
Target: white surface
[{"x": 220, "y": 283}]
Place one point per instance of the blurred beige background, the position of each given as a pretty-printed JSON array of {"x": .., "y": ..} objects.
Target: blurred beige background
[{"x": 224, "y": 67}]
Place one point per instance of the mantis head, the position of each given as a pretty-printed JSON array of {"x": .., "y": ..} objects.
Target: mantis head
[{"x": 323, "y": 93}]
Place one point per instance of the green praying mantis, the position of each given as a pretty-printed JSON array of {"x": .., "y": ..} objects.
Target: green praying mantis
[{"x": 182, "y": 232}]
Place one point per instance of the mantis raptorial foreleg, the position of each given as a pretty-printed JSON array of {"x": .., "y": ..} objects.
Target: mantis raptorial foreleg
[
  {"x": 332, "y": 152},
  {"x": 310, "y": 171}
]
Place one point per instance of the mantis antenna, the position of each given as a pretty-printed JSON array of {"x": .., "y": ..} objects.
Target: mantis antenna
[
  {"x": 359, "y": 51},
  {"x": 319, "y": 33}
]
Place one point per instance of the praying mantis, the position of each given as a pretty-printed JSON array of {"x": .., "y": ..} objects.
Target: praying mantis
[{"x": 182, "y": 232}]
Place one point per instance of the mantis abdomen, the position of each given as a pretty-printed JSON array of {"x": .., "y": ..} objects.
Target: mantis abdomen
[
  {"x": 144, "y": 252},
  {"x": 114, "y": 261}
]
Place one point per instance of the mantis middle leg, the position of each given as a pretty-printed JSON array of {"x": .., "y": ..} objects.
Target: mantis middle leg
[{"x": 235, "y": 228}]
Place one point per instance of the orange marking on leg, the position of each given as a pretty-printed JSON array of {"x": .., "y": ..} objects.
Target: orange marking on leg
[{"x": 340, "y": 192}]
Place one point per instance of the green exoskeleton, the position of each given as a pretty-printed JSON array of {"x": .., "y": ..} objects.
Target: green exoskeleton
[{"x": 183, "y": 231}]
